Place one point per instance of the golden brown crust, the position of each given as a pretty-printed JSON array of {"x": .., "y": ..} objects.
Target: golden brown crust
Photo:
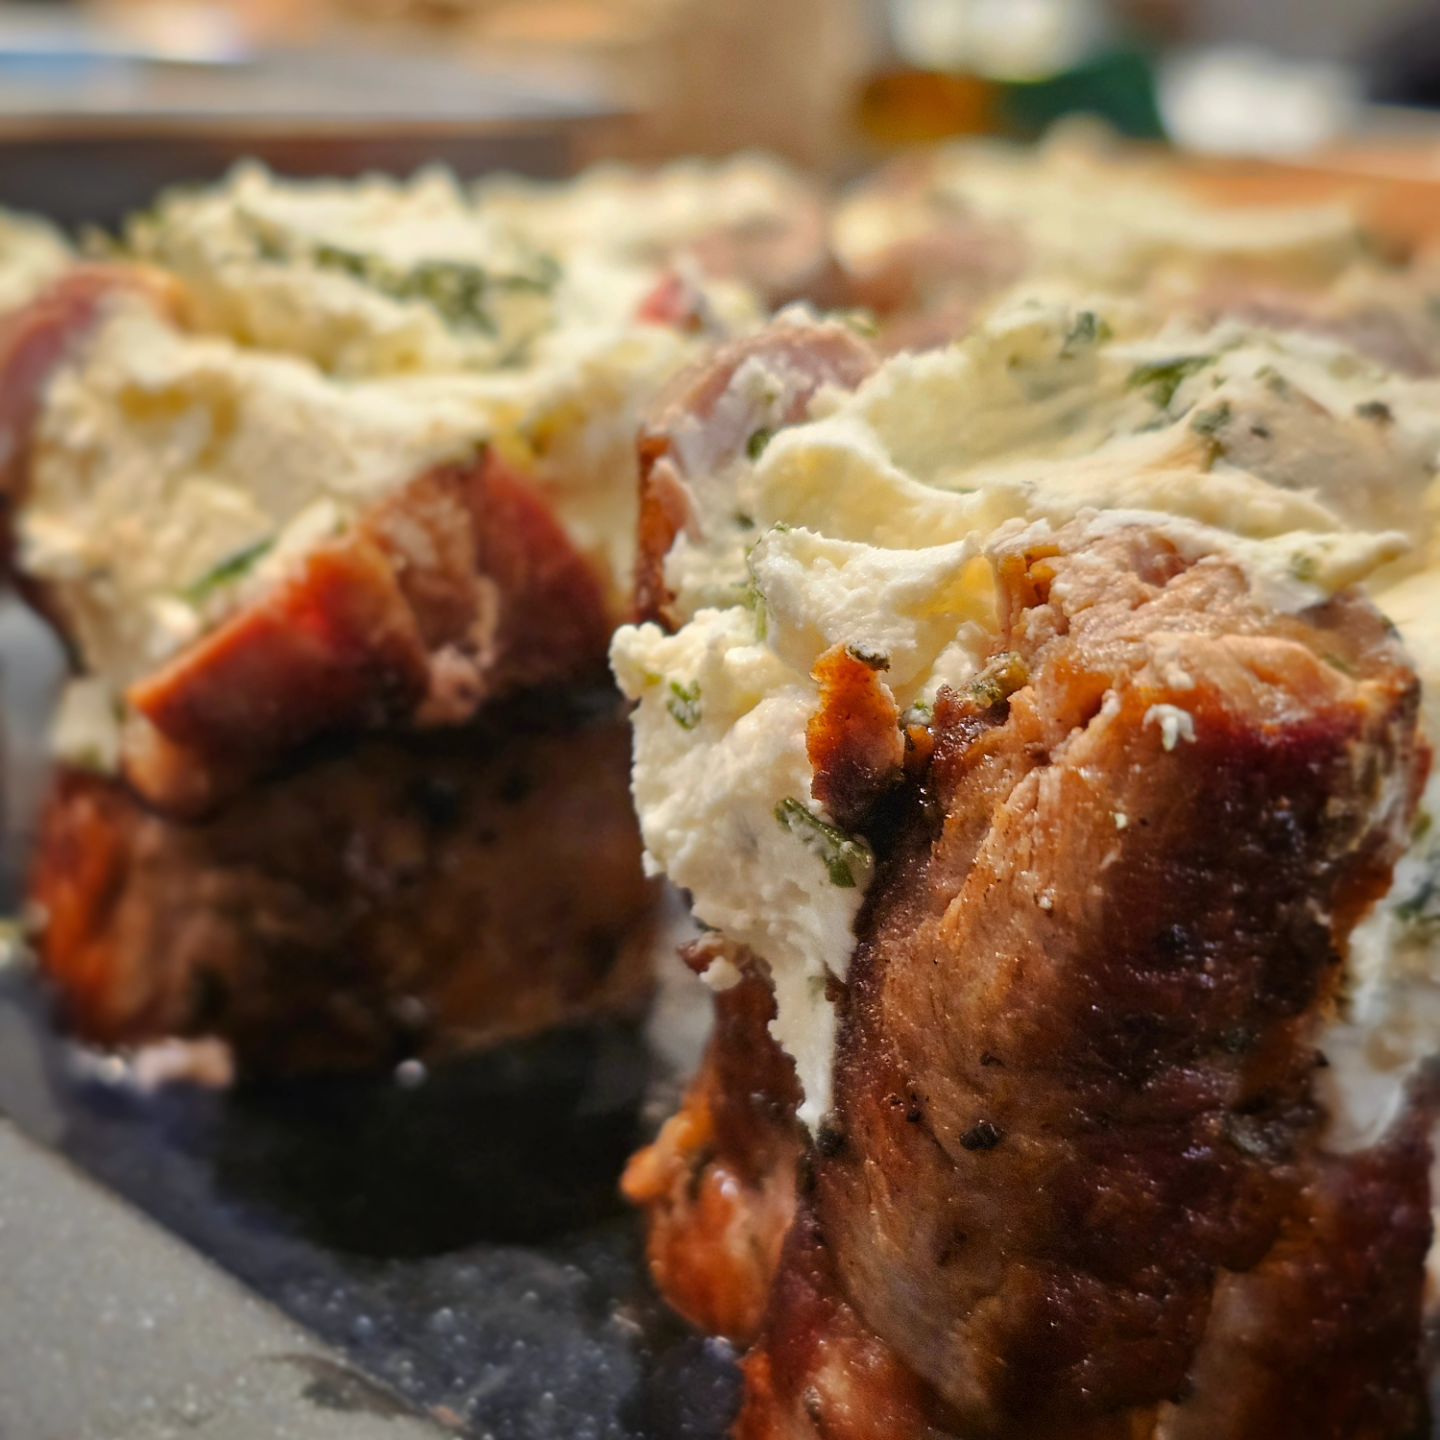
[
  {"x": 718, "y": 1183},
  {"x": 404, "y": 896},
  {"x": 460, "y": 589},
  {"x": 1073, "y": 1183},
  {"x": 853, "y": 739}
]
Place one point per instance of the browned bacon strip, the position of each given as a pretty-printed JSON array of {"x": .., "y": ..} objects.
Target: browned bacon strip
[{"x": 460, "y": 588}]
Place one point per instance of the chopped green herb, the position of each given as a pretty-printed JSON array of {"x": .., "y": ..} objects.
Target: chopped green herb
[
  {"x": 999, "y": 680},
  {"x": 347, "y": 262},
  {"x": 920, "y": 713},
  {"x": 1304, "y": 566},
  {"x": 744, "y": 521},
  {"x": 755, "y": 445},
  {"x": 753, "y": 599},
  {"x": 456, "y": 289},
  {"x": 1424, "y": 822},
  {"x": 684, "y": 704},
  {"x": 1376, "y": 410},
  {"x": 1210, "y": 423},
  {"x": 1162, "y": 378},
  {"x": 871, "y": 659},
  {"x": 1275, "y": 382},
  {"x": 227, "y": 572},
  {"x": 1338, "y": 662},
  {"x": 1088, "y": 329},
  {"x": 862, "y": 322},
  {"x": 842, "y": 855},
  {"x": 1422, "y": 906}
]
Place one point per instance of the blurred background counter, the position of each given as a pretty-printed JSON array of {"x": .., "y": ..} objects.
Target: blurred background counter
[{"x": 102, "y": 102}]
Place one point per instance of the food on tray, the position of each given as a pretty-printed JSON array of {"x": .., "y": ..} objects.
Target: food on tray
[
  {"x": 1034, "y": 691},
  {"x": 293, "y": 464},
  {"x": 1051, "y": 789},
  {"x": 287, "y": 488}
]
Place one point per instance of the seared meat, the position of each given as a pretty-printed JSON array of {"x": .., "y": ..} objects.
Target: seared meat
[
  {"x": 403, "y": 895},
  {"x": 1073, "y": 1183},
  {"x": 719, "y": 1181}
]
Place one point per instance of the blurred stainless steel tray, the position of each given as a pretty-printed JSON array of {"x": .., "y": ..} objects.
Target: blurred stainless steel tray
[{"x": 88, "y": 135}]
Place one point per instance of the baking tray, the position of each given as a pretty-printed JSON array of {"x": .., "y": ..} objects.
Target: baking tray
[
  {"x": 459, "y": 1242},
  {"x": 456, "y": 1247}
]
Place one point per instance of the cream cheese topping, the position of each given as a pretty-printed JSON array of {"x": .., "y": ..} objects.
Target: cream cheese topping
[
  {"x": 382, "y": 276},
  {"x": 874, "y": 521},
  {"x": 85, "y": 732},
  {"x": 722, "y": 779},
  {"x": 1389, "y": 1021},
  {"x": 339, "y": 338},
  {"x": 32, "y": 254},
  {"x": 1071, "y": 208},
  {"x": 645, "y": 216}
]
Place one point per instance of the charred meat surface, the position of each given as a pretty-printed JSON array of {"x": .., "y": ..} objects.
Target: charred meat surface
[
  {"x": 1073, "y": 1183},
  {"x": 719, "y": 1182},
  {"x": 398, "y": 896}
]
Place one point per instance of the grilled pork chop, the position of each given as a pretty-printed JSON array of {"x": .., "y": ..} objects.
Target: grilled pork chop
[
  {"x": 1076, "y": 1171},
  {"x": 283, "y": 500},
  {"x": 1073, "y": 1181}
]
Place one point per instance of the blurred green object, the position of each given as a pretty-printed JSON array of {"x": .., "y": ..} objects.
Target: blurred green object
[{"x": 1117, "y": 86}]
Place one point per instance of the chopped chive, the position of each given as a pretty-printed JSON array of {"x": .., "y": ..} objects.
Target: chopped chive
[
  {"x": 1210, "y": 423},
  {"x": 684, "y": 704},
  {"x": 999, "y": 680},
  {"x": 869, "y": 658},
  {"x": 759, "y": 439},
  {"x": 1162, "y": 378},
  {"x": 227, "y": 572},
  {"x": 841, "y": 854},
  {"x": 1088, "y": 329}
]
